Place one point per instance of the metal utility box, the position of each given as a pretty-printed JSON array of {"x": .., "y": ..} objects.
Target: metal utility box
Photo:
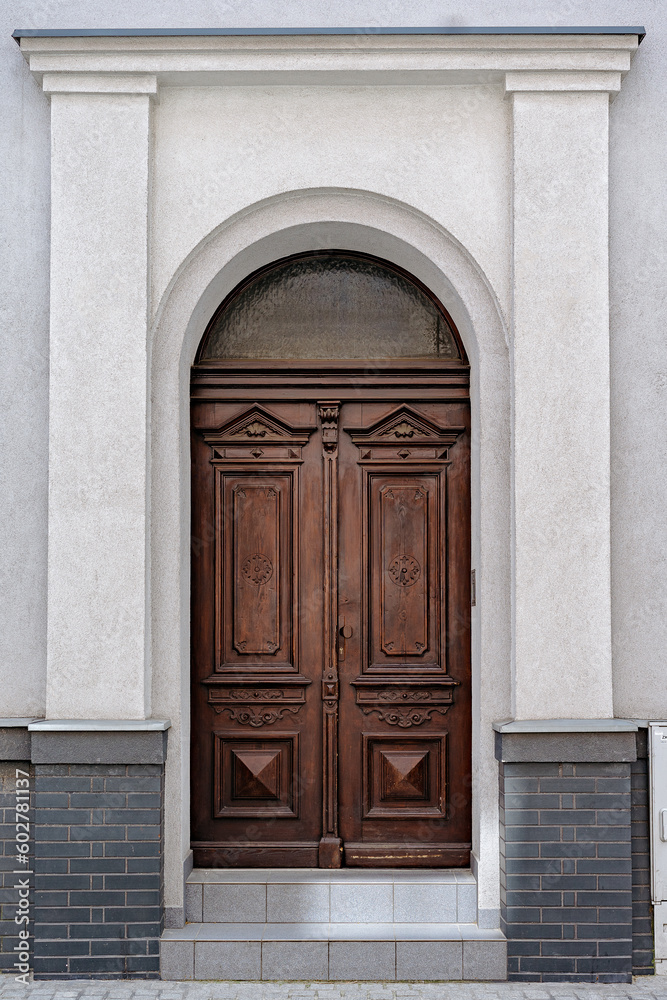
[{"x": 657, "y": 752}]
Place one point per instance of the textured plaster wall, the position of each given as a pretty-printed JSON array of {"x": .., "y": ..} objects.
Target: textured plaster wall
[
  {"x": 638, "y": 165},
  {"x": 638, "y": 162},
  {"x": 218, "y": 151}
]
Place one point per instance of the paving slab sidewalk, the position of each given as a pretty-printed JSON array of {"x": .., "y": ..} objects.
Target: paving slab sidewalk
[{"x": 644, "y": 988}]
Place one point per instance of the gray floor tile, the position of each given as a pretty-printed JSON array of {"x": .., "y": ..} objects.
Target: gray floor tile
[
  {"x": 177, "y": 960},
  {"x": 299, "y": 875},
  {"x": 475, "y": 933},
  {"x": 234, "y": 903},
  {"x": 295, "y": 960},
  {"x": 428, "y": 932},
  {"x": 362, "y": 960},
  {"x": 465, "y": 875},
  {"x": 442, "y": 876},
  {"x": 297, "y": 902},
  {"x": 361, "y": 932},
  {"x": 485, "y": 960},
  {"x": 231, "y": 932},
  {"x": 466, "y": 909},
  {"x": 314, "y": 931},
  {"x": 425, "y": 903},
  {"x": 189, "y": 932},
  {"x": 368, "y": 902},
  {"x": 228, "y": 960},
  {"x": 429, "y": 959},
  {"x": 257, "y": 876},
  {"x": 193, "y": 901}
]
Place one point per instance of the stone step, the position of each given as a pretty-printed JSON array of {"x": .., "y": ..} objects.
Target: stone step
[
  {"x": 268, "y": 896},
  {"x": 332, "y": 951}
]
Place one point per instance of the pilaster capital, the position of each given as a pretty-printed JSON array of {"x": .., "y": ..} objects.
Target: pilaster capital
[
  {"x": 100, "y": 83},
  {"x": 563, "y": 81}
]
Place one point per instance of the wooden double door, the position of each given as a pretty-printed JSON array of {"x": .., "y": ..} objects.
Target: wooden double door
[{"x": 331, "y": 709}]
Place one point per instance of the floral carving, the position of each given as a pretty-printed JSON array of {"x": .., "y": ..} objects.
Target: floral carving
[
  {"x": 408, "y": 695},
  {"x": 403, "y": 430},
  {"x": 259, "y": 694},
  {"x": 404, "y": 718},
  {"x": 254, "y": 429},
  {"x": 404, "y": 571},
  {"x": 256, "y": 715},
  {"x": 257, "y": 569},
  {"x": 329, "y": 417}
]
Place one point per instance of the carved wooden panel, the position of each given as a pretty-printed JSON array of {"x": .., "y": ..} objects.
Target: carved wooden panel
[
  {"x": 404, "y": 580},
  {"x": 255, "y": 777},
  {"x": 256, "y": 597},
  {"x": 257, "y": 569},
  {"x": 405, "y": 573},
  {"x": 404, "y": 778}
]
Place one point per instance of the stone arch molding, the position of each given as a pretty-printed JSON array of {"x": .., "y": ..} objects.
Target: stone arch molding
[
  {"x": 316, "y": 218},
  {"x": 291, "y": 223}
]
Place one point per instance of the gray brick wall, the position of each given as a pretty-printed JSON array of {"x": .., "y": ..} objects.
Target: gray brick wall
[
  {"x": 566, "y": 871},
  {"x": 98, "y": 870},
  {"x": 642, "y": 910},
  {"x": 8, "y": 864}
]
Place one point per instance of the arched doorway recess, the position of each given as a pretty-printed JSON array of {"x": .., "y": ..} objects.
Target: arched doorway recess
[{"x": 331, "y": 701}]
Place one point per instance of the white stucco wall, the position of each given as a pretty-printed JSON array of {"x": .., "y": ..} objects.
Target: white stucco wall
[
  {"x": 638, "y": 350},
  {"x": 206, "y": 143},
  {"x": 219, "y": 151}
]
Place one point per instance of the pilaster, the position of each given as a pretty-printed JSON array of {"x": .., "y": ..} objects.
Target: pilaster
[
  {"x": 97, "y": 604},
  {"x": 561, "y": 409}
]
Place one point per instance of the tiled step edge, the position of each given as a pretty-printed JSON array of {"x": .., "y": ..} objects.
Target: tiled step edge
[
  {"x": 332, "y": 900},
  {"x": 331, "y": 932},
  {"x": 479, "y": 955},
  {"x": 332, "y": 875}
]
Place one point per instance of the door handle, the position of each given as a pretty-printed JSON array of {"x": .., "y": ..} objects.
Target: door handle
[
  {"x": 344, "y": 632},
  {"x": 663, "y": 824}
]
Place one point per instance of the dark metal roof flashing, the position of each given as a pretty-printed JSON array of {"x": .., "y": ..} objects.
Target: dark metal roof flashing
[{"x": 165, "y": 32}]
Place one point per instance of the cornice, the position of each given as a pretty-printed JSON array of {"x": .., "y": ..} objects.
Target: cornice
[{"x": 104, "y": 63}]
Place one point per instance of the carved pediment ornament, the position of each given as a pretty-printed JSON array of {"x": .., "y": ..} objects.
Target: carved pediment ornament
[
  {"x": 254, "y": 429},
  {"x": 258, "y": 424},
  {"x": 402, "y": 430},
  {"x": 404, "y": 423}
]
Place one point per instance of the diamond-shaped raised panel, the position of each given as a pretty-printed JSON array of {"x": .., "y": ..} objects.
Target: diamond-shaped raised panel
[
  {"x": 256, "y": 774},
  {"x": 255, "y": 777},
  {"x": 404, "y": 777}
]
